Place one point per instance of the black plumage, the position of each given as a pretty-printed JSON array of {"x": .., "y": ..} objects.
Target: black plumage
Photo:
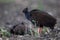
[
  {"x": 42, "y": 18},
  {"x": 18, "y": 29}
]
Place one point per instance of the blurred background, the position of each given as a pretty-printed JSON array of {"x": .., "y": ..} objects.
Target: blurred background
[{"x": 11, "y": 10}]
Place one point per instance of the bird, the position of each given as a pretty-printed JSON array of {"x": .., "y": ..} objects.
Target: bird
[
  {"x": 18, "y": 29},
  {"x": 41, "y": 18}
]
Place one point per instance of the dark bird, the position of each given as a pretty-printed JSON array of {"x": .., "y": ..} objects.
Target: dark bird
[
  {"x": 18, "y": 29},
  {"x": 42, "y": 18}
]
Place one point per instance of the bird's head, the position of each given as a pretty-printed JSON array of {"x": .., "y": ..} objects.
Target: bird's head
[{"x": 25, "y": 10}]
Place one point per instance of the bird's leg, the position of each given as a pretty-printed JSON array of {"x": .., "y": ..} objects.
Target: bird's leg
[{"x": 39, "y": 30}]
